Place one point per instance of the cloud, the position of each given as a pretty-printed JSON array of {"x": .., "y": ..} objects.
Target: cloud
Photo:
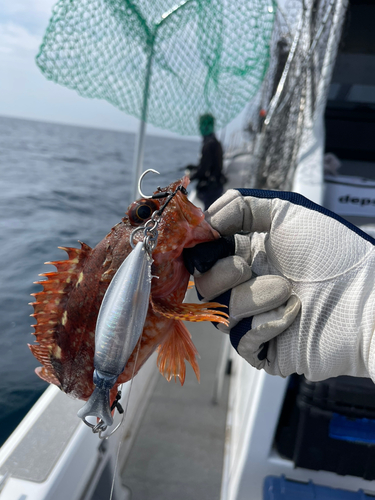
[
  {"x": 16, "y": 40},
  {"x": 34, "y": 7},
  {"x": 22, "y": 26}
]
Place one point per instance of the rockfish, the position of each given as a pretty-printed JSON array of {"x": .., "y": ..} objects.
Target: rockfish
[{"x": 66, "y": 310}]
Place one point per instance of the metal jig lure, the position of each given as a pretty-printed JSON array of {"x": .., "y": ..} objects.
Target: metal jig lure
[{"x": 121, "y": 318}]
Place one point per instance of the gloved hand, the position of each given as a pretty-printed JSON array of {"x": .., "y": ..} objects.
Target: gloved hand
[{"x": 311, "y": 307}]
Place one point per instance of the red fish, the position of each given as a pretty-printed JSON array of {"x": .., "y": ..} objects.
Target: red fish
[{"x": 66, "y": 310}]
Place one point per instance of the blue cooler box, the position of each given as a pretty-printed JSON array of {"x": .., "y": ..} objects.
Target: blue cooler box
[
  {"x": 279, "y": 488},
  {"x": 329, "y": 425}
]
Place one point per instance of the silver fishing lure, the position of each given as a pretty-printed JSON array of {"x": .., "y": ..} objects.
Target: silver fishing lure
[
  {"x": 120, "y": 321},
  {"x": 121, "y": 318},
  {"x": 119, "y": 327}
]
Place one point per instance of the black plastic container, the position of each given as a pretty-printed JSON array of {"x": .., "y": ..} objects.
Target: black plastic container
[{"x": 329, "y": 425}]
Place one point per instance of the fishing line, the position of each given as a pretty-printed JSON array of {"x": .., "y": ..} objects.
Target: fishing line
[{"x": 122, "y": 420}]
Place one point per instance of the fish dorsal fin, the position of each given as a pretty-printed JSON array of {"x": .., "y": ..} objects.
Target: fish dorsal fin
[
  {"x": 177, "y": 347},
  {"x": 49, "y": 307}
]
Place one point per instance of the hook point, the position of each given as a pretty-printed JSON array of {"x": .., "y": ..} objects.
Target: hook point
[{"x": 141, "y": 179}]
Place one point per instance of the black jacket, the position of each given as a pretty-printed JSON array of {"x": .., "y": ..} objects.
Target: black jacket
[{"x": 209, "y": 172}]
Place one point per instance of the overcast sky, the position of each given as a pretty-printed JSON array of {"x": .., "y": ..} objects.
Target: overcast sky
[{"x": 26, "y": 93}]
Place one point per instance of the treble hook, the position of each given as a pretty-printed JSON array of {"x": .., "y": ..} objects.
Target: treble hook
[{"x": 140, "y": 181}]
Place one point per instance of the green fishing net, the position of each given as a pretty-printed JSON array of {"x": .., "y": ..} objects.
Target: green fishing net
[{"x": 206, "y": 56}]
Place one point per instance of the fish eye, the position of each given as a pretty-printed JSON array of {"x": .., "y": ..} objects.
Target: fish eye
[{"x": 141, "y": 210}]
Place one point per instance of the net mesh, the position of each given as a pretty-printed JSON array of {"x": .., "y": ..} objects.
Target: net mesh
[
  {"x": 284, "y": 115},
  {"x": 206, "y": 55}
]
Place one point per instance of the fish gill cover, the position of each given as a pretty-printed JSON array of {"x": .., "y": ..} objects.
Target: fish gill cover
[{"x": 205, "y": 55}]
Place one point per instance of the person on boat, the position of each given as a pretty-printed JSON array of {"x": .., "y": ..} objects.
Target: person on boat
[
  {"x": 298, "y": 281},
  {"x": 209, "y": 172}
]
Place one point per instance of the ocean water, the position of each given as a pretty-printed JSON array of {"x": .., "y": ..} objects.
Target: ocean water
[{"x": 58, "y": 184}]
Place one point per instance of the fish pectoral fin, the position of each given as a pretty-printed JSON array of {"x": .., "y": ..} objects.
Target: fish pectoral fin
[
  {"x": 192, "y": 312},
  {"x": 177, "y": 347}
]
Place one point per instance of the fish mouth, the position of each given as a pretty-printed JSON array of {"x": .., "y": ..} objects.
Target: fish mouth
[
  {"x": 183, "y": 226},
  {"x": 201, "y": 234},
  {"x": 200, "y": 229}
]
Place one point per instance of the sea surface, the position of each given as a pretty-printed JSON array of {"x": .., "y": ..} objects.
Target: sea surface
[{"x": 58, "y": 184}]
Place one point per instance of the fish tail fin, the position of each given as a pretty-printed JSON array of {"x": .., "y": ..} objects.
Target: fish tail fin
[{"x": 174, "y": 350}]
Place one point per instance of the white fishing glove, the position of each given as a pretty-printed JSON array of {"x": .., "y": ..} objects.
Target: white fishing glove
[{"x": 311, "y": 307}]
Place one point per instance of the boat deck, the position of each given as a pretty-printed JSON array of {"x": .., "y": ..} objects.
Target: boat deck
[{"x": 179, "y": 448}]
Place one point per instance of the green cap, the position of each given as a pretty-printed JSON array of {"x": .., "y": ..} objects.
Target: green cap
[{"x": 206, "y": 124}]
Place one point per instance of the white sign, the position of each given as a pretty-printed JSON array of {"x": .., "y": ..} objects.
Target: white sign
[{"x": 350, "y": 196}]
